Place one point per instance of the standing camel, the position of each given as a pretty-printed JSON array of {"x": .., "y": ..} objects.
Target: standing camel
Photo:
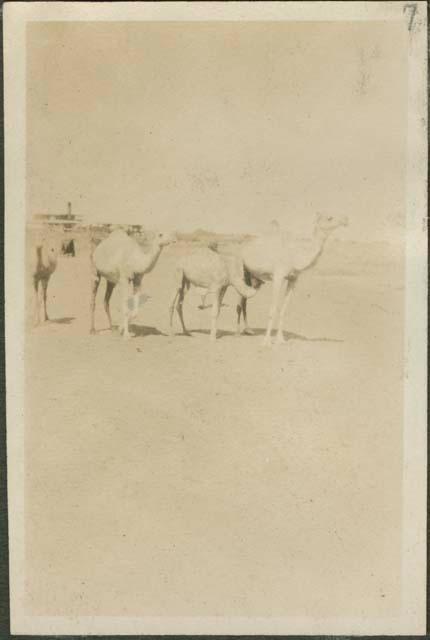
[
  {"x": 206, "y": 269},
  {"x": 120, "y": 259},
  {"x": 274, "y": 258},
  {"x": 44, "y": 258}
]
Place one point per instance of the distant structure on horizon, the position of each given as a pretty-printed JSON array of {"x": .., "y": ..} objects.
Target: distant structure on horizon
[{"x": 67, "y": 220}]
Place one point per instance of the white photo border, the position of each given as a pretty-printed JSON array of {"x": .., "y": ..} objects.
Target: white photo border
[{"x": 413, "y": 612}]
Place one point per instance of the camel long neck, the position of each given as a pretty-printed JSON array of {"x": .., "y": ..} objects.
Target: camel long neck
[
  {"x": 153, "y": 256},
  {"x": 147, "y": 259},
  {"x": 318, "y": 245}
]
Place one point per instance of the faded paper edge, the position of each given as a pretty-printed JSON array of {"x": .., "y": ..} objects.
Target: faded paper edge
[{"x": 413, "y": 618}]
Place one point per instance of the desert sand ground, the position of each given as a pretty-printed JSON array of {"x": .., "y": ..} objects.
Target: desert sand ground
[{"x": 172, "y": 476}]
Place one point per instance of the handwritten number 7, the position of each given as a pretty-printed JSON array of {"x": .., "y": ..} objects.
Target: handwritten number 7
[{"x": 413, "y": 9}]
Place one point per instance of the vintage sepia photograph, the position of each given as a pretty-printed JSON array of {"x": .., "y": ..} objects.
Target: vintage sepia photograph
[{"x": 216, "y": 284}]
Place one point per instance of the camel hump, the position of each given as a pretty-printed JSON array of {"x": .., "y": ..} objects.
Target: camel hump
[
  {"x": 204, "y": 267},
  {"x": 118, "y": 234}
]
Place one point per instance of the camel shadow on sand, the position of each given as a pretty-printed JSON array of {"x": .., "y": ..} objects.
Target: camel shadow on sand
[
  {"x": 209, "y": 306},
  {"x": 289, "y": 335},
  {"x": 140, "y": 331},
  {"x": 66, "y": 320},
  {"x": 206, "y": 332}
]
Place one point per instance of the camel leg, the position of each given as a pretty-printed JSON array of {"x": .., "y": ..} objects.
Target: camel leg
[
  {"x": 124, "y": 285},
  {"x": 109, "y": 289},
  {"x": 179, "y": 308},
  {"x": 36, "y": 302},
  {"x": 239, "y": 310},
  {"x": 137, "y": 283},
  {"x": 278, "y": 281},
  {"x": 287, "y": 299},
  {"x": 94, "y": 287},
  {"x": 215, "y": 312},
  {"x": 178, "y": 300},
  {"x": 247, "y": 331},
  {"x": 244, "y": 302},
  {"x": 45, "y": 294},
  {"x": 172, "y": 311}
]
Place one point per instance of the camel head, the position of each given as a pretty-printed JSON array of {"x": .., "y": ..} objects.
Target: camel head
[
  {"x": 164, "y": 238},
  {"x": 328, "y": 223}
]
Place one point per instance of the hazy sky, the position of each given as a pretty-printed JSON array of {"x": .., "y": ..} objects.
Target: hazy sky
[{"x": 218, "y": 125}]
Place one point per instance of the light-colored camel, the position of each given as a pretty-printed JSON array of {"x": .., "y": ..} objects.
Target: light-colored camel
[
  {"x": 276, "y": 258},
  {"x": 120, "y": 259},
  {"x": 206, "y": 269},
  {"x": 44, "y": 259}
]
